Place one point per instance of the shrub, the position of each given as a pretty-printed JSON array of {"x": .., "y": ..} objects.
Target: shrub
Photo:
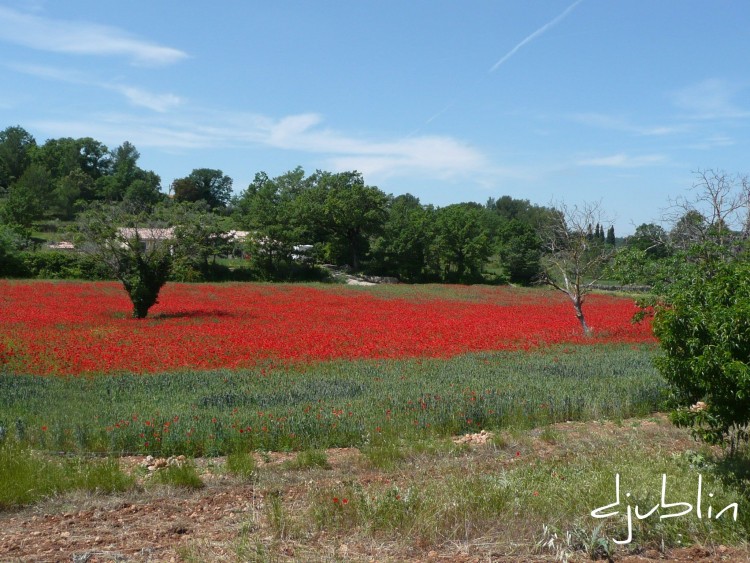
[
  {"x": 705, "y": 336},
  {"x": 58, "y": 265}
]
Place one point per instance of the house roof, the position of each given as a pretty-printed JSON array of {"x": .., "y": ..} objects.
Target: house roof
[{"x": 148, "y": 233}]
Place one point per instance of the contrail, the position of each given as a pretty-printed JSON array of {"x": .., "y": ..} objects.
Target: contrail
[
  {"x": 512, "y": 52},
  {"x": 536, "y": 34}
]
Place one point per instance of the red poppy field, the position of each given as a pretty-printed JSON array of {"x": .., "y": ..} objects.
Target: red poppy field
[{"x": 84, "y": 328}]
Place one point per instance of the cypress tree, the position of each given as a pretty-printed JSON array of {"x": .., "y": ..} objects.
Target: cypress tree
[{"x": 611, "y": 236}]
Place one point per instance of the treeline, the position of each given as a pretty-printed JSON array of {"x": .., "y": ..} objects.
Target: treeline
[{"x": 343, "y": 220}]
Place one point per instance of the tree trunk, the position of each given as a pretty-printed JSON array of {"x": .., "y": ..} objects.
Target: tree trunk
[
  {"x": 578, "y": 306},
  {"x": 351, "y": 237},
  {"x": 355, "y": 259}
]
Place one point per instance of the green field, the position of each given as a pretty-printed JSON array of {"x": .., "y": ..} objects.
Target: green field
[{"x": 336, "y": 404}]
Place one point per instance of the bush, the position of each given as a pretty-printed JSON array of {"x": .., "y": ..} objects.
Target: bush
[
  {"x": 59, "y": 265},
  {"x": 704, "y": 331}
]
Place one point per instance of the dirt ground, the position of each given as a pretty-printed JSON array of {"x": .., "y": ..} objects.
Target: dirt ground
[{"x": 164, "y": 524}]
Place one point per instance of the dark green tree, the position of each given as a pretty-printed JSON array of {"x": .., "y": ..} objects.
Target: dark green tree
[
  {"x": 402, "y": 247},
  {"x": 62, "y": 156},
  {"x": 519, "y": 249},
  {"x": 127, "y": 181},
  {"x": 461, "y": 242},
  {"x": 145, "y": 189},
  {"x": 76, "y": 167},
  {"x": 16, "y": 147},
  {"x": 10, "y": 245},
  {"x": 27, "y": 198},
  {"x": 69, "y": 191},
  {"x": 136, "y": 249},
  {"x": 611, "y": 240},
  {"x": 652, "y": 239},
  {"x": 267, "y": 209},
  {"x": 206, "y": 184},
  {"x": 343, "y": 213}
]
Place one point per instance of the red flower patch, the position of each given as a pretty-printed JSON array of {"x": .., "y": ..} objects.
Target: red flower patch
[{"x": 84, "y": 328}]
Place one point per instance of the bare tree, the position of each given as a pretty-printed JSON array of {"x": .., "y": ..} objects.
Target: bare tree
[
  {"x": 573, "y": 260},
  {"x": 718, "y": 213}
]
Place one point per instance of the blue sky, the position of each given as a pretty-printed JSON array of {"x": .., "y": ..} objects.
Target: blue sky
[{"x": 552, "y": 100}]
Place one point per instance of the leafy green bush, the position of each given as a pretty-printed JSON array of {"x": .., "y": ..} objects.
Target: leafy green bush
[
  {"x": 705, "y": 335},
  {"x": 59, "y": 265},
  {"x": 10, "y": 244}
]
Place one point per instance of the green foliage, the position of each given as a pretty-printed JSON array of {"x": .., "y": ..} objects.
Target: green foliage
[
  {"x": 403, "y": 246},
  {"x": 137, "y": 252},
  {"x": 704, "y": 331},
  {"x": 16, "y": 147},
  {"x": 520, "y": 251},
  {"x": 634, "y": 266},
  {"x": 65, "y": 155},
  {"x": 341, "y": 213},
  {"x": 268, "y": 209},
  {"x": 70, "y": 191},
  {"x": 11, "y": 264},
  {"x": 651, "y": 239},
  {"x": 205, "y": 184},
  {"x": 200, "y": 237},
  {"x": 27, "y": 197},
  {"x": 54, "y": 264},
  {"x": 143, "y": 276},
  {"x": 462, "y": 242}
]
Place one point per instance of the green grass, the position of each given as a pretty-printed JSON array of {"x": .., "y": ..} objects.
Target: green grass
[
  {"x": 27, "y": 477},
  {"x": 309, "y": 459},
  {"x": 241, "y": 464},
  {"x": 336, "y": 404},
  {"x": 183, "y": 476}
]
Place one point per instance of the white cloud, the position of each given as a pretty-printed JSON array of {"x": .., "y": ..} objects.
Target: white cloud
[
  {"x": 619, "y": 123},
  {"x": 136, "y": 96},
  {"x": 709, "y": 99},
  {"x": 439, "y": 154},
  {"x": 81, "y": 38},
  {"x": 156, "y": 102},
  {"x": 433, "y": 156},
  {"x": 713, "y": 142},
  {"x": 622, "y": 160}
]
